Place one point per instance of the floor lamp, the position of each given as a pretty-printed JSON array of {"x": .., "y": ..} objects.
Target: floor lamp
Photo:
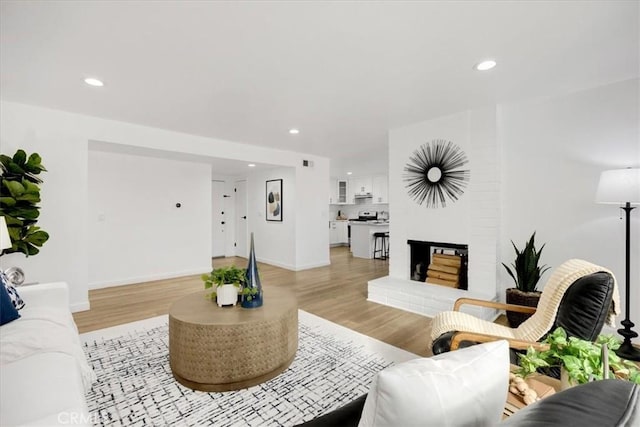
[{"x": 622, "y": 186}]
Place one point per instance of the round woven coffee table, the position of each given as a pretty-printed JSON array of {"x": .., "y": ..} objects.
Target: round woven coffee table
[{"x": 215, "y": 348}]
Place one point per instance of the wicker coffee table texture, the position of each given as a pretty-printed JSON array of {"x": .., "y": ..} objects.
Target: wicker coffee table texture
[{"x": 215, "y": 348}]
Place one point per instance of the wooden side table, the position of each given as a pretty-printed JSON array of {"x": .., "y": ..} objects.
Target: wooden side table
[
  {"x": 215, "y": 348},
  {"x": 513, "y": 405}
]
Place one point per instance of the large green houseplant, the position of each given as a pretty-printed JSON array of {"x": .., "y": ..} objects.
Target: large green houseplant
[
  {"x": 581, "y": 360},
  {"x": 19, "y": 198},
  {"x": 525, "y": 272}
]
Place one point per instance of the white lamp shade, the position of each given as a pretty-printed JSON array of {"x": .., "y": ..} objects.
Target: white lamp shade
[
  {"x": 5, "y": 240},
  {"x": 619, "y": 186}
]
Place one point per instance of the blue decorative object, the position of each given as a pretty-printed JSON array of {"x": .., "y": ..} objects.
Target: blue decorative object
[
  {"x": 252, "y": 291},
  {"x": 8, "y": 312}
]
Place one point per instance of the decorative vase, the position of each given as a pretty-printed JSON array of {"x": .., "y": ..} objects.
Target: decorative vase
[
  {"x": 226, "y": 295},
  {"x": 252, "y": 282},
  {"x": 518, "y": 297}
]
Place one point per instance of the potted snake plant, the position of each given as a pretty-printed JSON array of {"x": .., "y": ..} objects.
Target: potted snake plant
[
  {"x": 525, "y": 272},
  {"x": 228, "y": 281}
]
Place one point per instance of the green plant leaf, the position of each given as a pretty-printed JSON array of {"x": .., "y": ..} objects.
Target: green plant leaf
[
  {"x": 20, "y": 157},
  {"x": 7, "y": 201},
  {"x": 16, "y": 189},
  {"x": 36, "y": 237},
  {"x": 526, "y": 271},
  {"x": 34, "y": 164},
  {"x": 20, "y": 195}
]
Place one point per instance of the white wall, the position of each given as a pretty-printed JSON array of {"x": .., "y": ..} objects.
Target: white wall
[
  {"x": 473, "y": 219},
  {"x": 554, "y": 151},
  {"x": 312, "y": 209},
  {"x": 136, "y": 232},
  {"x": 275, "y": 241},
  {"x": 62, "y": 139}
]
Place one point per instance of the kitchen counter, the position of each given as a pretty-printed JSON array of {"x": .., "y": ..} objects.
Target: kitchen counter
[{"x": 362, "y": 241}]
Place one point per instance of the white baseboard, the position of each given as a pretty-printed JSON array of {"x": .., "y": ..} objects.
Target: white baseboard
[
  {"x": 148, "y": 278},
  {"x": 277, "y": 263},
  {"x": 310, "y": 266},
  {"x": 293, "y": 267}
]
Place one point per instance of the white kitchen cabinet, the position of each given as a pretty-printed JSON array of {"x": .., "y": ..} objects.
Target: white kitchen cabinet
[
  {"x": 351, "y": 192},
  {"x": 341, "y": 226},
  {"x": 339, "y": 191},
  {"x": 362, "y": 184},
  {"x": 333, "y": 233},
  {"x": 338, "y": 233},
  {"x": 342, "y": 190},
  {"x": 380, "y": 189},
  {"x": 333, "y": 191}
]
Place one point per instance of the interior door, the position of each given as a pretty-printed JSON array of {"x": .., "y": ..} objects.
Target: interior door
[
  {"x": 241, "y": 219},
  {"x": 218, "y": 227}
]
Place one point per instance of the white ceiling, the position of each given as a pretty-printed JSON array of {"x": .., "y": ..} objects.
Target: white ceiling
[{"x": 341, "y": 72}]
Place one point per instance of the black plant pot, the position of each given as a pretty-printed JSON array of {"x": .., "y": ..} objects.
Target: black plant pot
[{"x": 518, "y": 297}]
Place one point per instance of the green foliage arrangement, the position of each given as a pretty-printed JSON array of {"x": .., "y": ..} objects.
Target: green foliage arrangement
[
  {"x": 581, "y": 359},
  {"x": 249, "y": 293},
  {"x": 19, "y": 196},
  {"x": 230, "y": 275},
  {"x": 526, "y": 272}
]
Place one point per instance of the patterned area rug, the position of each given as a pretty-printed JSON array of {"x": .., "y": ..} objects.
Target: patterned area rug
[{"x": 135, "y": 387}]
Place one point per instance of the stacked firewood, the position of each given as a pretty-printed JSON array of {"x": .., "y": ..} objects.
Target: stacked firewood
[{"x": 444, "y": 270}]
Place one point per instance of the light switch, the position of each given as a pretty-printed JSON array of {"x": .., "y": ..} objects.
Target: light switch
[{"x": 101, "y": 217}]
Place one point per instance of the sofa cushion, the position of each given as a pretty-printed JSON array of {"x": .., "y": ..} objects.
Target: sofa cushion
[
  {"x": 41, "y": 330},
  {"x": 43, "y": 390},
  {"x": 8, "y": 312},
  {"x": 17, "y": 302},
  {"x": 467, "y": 387}
]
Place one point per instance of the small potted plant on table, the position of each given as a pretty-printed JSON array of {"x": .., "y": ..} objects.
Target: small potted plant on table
[
  {"x": 228, "y": 281},
  {"x": 526, "y": 273}
]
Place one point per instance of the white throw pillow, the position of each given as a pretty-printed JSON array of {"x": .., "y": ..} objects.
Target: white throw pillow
[{"x": 466, "y": 387}]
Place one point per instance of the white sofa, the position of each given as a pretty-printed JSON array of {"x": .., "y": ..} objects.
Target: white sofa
[{"x": 43, "y": 370}]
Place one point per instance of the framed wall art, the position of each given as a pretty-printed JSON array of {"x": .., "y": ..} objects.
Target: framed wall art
[{"x": 273, "y": 200}]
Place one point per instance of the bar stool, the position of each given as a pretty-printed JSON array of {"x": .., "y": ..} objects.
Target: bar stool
[
  {"x": 384, "y": 251},
  {"x": 388, "y": 244}
]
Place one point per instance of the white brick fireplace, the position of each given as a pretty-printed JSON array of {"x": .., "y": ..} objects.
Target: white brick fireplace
[{"x": 474, "y": 219}]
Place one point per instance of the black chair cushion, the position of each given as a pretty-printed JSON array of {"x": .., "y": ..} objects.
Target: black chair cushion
[
  {"x": 585, "y": 305},
  {"x": 609, "y": 403},
  {"x": 345, "y": 416}
]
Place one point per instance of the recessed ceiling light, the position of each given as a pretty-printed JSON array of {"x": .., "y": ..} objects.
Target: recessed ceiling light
[
  {"x": 294, "y": 131},
  {"x": 485, "y": 65},
  {"x": 93, "y": 82},
  {"x": 349, "y": 173},
  {"x": 251, "y": 165}
]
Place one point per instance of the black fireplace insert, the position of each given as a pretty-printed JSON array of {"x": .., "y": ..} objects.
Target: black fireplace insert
[{"x": 421, "y": 257}]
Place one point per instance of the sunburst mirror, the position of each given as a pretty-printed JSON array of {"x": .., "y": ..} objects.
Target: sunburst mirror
[{"x": 434, "y": 173}]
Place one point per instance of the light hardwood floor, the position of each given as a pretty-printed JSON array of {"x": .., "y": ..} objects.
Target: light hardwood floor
[{"x": 337, "y": 293}]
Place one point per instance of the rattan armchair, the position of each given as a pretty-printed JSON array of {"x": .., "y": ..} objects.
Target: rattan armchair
[{"x": 579, "y": 296}]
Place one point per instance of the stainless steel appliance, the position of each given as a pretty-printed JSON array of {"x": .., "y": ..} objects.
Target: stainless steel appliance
[{"x": 366, "y": 216}]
